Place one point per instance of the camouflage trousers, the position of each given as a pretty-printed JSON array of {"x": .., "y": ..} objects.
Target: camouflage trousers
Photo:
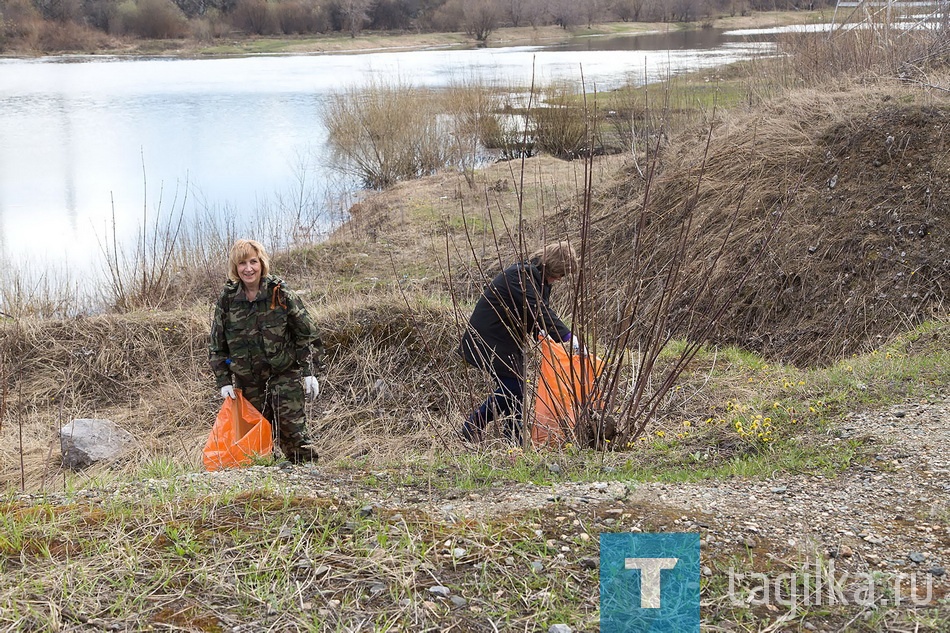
[{"x": 281, "y": 400}]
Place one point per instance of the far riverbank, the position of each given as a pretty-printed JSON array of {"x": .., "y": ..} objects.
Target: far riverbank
[{"x": 374, "y": 41}]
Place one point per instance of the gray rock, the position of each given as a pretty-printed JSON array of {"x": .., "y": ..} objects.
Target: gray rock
[
  {"x": 537, "y": 567},
  {"x": 917, "y": 557},
  {"x": 458, "y": 601},
  {"x": 560, "y": 628},
  {"x": 937, "y": 571},
  {"x": 87, "y": 441},
  {"x": 439, "y": 590}
]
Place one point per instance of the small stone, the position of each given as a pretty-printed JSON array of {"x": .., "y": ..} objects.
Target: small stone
[
  {"x": 900, "y": 413},
  {"x": 560, "y": 628},
  {"x": 937, "y": 571},
  {"x": 537, "y": 567},
  {"x": 554, "y": 467},
  {"x": 707, "y": 571},
  {"x": 917, "y": 557},
  {"x": 749, "y": 542},
  {"x": 779, "y": 490},
  {"x": 366, "y": 511},
  {"x": 458, "y": 552},
  {"x": 809, "y": 626},
  {"x": 589, "y": 563},
  {"x": 458, "y": 601},
  {"x": 845, "y": 552},
  {"x": 439, "y": 590},
  {"x": 377, "y": 588},
  {"x": 321, "y": 571},
  {"x": 285, "y": 533}
]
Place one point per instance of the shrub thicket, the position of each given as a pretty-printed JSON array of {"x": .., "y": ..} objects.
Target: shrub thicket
[
  {"x": 157, "y": 19},
  {"x": 386, "y": 132}
]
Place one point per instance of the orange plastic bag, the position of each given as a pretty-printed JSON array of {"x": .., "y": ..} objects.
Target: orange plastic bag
[
  {"x": 239, "y": 435},
  {"x": 565, "y": 384}
]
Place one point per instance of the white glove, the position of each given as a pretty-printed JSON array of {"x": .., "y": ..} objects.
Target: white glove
[
  {"x": 227, "y": 391},
  {"x": 575, "y": 344},
  {"x": 311, "y": 386}
]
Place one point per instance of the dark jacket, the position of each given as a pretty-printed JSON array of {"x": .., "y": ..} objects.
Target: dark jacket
[
  {"x": 272, "y": 335},
  {"x": 512, "y": 307}
]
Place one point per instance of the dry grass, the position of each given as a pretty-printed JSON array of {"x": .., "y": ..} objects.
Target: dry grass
[{"x": 856, "y": 220}]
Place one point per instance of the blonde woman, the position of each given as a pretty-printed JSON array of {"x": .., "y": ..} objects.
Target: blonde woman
[{"x": 264, "y": 342}]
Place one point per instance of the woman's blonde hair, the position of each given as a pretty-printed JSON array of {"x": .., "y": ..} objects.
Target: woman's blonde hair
[
  {"x": 556, "y": 259},
  {"x": 245, "y": 249}
]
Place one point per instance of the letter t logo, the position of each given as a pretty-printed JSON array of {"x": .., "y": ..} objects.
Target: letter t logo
[{"x": 649, "y": 578}]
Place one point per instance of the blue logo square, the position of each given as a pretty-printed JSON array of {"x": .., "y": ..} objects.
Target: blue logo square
[{"x": 649, "y": 583}]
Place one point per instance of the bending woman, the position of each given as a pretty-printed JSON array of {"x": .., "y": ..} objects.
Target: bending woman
[{"x": 512, "y": 307}]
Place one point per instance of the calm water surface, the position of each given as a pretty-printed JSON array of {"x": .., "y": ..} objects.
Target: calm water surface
[{"x": 86, "y": 140}]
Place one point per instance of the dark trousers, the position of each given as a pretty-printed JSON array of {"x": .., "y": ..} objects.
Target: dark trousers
[
  {"x": 507, "y": 403},
  {"x": 281, "y": 401}
]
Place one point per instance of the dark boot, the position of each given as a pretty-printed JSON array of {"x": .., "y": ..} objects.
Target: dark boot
[{"x": 302, "y": 454}]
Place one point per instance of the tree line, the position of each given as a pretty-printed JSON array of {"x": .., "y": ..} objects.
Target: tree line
[{"x": 41, "y": 22}]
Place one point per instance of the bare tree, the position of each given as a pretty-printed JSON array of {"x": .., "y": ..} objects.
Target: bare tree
[
  {"x": 534, "y": 11},
  {"x": 515, "y": 10},
  {"x": 685, "y": 10},
  {"x": 355, "y": 14},
  {"x": 481, "y": 18},
  {"x": 629, "y": 10},
  {"x": 564, "y": 13},
  {"x": 592, "y": 10}
]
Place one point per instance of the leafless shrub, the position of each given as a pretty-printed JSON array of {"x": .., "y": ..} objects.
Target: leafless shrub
[
  {"x": 159, "y": 19},
  {"x": 255, "y": 16},
  {"x": 59, "y": 10},
  {"x": 68, "y": 36},
  {"x": 300, "y": 17},
  {"x": 385, "y": 132},
  {"x": 450, "y": 16},
  {"x": 21, "y": 20},
  {"x": 29, "y": 291},
  {"x": 210, "y": 26},
  {"x": 471, "y": 108},
  {"x": 561, "y": 125},
  {"x": 140, "y": 275}
]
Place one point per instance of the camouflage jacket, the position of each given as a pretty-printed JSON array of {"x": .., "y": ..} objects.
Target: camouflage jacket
[{"x": 269, "y": 336}]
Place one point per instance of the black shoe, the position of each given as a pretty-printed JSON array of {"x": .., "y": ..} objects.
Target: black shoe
[{"x": 303, "y": 454}]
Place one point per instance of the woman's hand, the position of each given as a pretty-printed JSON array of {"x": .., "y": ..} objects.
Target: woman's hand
[{"x": 312, "y": 386}]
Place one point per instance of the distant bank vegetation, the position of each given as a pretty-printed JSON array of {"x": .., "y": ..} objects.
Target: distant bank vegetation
[{"x": 85, "y": 25}]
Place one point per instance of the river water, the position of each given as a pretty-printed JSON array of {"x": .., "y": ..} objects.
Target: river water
[{"x": 90, "y": 147}]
